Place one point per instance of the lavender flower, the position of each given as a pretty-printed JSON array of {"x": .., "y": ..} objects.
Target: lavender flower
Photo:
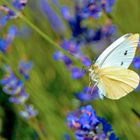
[
  {"x": 77, "y": 73},
  {"x": 136, "y": 62},
  {"x": 5, "y": 42},
  {"x": 28, "y": 112},
  {"x": 19, "y": 4},
  {"x": 8, "y": 14},
  {"x": 85, "y": 95},
  {"x": 14, "y": 87},
  {"x": 94, "y": 8},
  {"x": 67, "y": 136},
  {"x": 55, "y": 22},
  {"x": 24, "y": 68},
  {"x": 11, "y": 84},
  {"x": 19, "y": 98},
  {"x": 88, "y": 126}
]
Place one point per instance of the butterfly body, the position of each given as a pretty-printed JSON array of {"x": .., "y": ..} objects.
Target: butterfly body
[{"x": 110, "y": 72}]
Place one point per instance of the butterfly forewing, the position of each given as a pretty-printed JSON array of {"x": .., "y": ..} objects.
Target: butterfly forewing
[
  {"x": 117, "y": 82},
  {"x": 120, "y": 53}
]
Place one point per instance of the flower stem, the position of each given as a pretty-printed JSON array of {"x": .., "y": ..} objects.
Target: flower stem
[
  {"x": 34, "y": 124},
  {"x": 45, "y": 36}
]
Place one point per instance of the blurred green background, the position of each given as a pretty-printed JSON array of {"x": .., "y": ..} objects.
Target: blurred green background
[{"x": 50, "y": 86}]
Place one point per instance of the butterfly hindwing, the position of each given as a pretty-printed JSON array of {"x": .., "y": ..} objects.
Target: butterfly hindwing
[
  {"x": 120, "y": 53},
  {"x": 117, "y": 82}
]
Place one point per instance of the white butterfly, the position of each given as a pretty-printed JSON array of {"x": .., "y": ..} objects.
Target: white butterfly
[{"x": 110, "y": 71}]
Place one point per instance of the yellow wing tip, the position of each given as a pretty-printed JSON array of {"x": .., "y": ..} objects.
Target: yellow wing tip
[{"x": 136, "y": 35}]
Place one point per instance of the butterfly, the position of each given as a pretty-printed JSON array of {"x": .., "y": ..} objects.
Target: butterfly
[{"x": 110, "y": 71}]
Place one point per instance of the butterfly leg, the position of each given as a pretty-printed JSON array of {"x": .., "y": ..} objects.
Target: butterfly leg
[{"x": 96, "y": 83}]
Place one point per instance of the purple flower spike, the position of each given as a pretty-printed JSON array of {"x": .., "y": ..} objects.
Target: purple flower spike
[
  {"x": 55, "y": 22},
  {"x": 88, "y": 126}
]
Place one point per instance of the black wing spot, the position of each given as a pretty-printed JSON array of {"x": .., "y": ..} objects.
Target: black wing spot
[
  {"x": 126, "y": 52},
  {"x": 121, "y": 63}
]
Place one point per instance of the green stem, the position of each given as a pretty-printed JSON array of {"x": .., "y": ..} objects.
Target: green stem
[
  {"x": 34, "y": 124},
  {"x": 45, "y": 36}
]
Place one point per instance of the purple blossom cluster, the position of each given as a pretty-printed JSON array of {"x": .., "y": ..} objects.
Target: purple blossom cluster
[
  {"x": 7, "y": 14},
  {"x": 88, "y": 126},
  {"x": 95, "y": 8},
  {"x": 14, "y": 87}
]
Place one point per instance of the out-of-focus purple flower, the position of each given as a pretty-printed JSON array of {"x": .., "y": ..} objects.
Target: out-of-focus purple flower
[
  {"x": 86, "y": 61},
  {"x": 58, "y": 56},
  {"x": 86, "y": 95},
  {"x": 108, "y": 29},
  {"x": 13, "y": 86},
  {"x": 19, "y": 4},
  {"x": 24, "y": 68},
  {"x": 55, "y": 21},
  {"x": 77, "y": 73},
  {"x": 71, "y": 47},
  {"x": 113, "y": 136},
  {"x": 94, "y": 8},
  {"x": 88, "y": 126},
  {"x": 91, "y": 8},
  {"x": 136, "y": 62},
  {"x": 7, "y": 13},
  {"x": 3, "y": 21},
  {"x": 28, "y": 112},
  {"x": 20, "y": 98},
  {"x": 67, "y": 61},
  {"x": 67, "y": 136},
  {"x": 76, "y": 28},
  {"x": 11, "y": 34},
  {"x": 108, "y": 4},
  {"x": 66, "y": 13},
  {"x": 5, "y": 42}
]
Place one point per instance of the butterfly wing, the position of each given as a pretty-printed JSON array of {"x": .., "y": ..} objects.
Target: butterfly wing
[
  {"x": 115, "y": 83},
  {"x": 120, "y": 53}
]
